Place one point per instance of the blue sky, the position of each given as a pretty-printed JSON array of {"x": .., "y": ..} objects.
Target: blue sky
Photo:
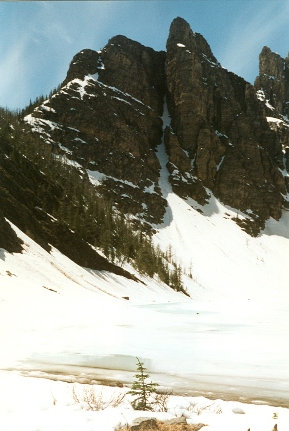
[{"x": 39, "y": 38}]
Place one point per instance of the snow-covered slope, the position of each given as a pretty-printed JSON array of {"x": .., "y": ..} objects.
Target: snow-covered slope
[
  {"x": 230, "y": 338},
  {"x": 225, "y": 262},
  {"x": 50, "y": 306}
]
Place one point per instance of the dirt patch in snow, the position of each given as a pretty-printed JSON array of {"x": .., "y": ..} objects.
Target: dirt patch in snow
[{"x": 153, "y": 425}]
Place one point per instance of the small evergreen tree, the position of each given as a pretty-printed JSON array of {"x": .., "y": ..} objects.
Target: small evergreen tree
[
  {"x": 142, "y": 389},
  {"x": 176, "y": 278}
]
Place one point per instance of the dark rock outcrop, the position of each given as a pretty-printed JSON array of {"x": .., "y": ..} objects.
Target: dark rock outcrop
[
  {"x": 8, "y": 238},
  {"x": 126, "y": 65},
  {"x": 176, "y": 424},
  {"x": 149, "y": 424},
  {"x": 85, "y": 62}
]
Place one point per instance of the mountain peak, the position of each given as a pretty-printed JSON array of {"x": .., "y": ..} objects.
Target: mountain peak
[
  {"x": 109, "y": 121},
  {"x": 123, "y": 41},
  {"x": 181, "y": 35},
  {"x": 179, "y": 24},
  {"x": 180, "y": 31},
  {"x": 83, "y": 63},
  {"x": 271, "y": 63},
  {"x": 273, "y": 81}
]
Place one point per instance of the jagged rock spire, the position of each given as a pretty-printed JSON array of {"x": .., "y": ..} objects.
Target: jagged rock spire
[
  {"x": 220, "y": 130},
  {"x": 273, "y": 80},
  {"x": 182, "y": 34}
]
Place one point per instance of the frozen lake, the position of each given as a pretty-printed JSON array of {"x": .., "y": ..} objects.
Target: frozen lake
[{"x": 228, "y": 353}]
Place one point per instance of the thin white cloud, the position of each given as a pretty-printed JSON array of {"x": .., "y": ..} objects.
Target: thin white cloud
[
  {"x": 12, "y": 69},
  {"x": 71, "y": 22},
  {"x": 249, "y": 33},
  {"x": 48, "y": 25},
  {"x": 51, "y": 31},
  {"x": 42, "y": 44}
]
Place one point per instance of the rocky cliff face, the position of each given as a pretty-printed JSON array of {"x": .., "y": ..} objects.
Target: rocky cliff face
[
  {"x": 107, "y": 118},
  {"x": 272, "y": 87},
  {"x": 219, "y": 138}
]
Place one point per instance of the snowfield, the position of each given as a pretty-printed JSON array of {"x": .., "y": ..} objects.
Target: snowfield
[{"x": 63, "y": 325}]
